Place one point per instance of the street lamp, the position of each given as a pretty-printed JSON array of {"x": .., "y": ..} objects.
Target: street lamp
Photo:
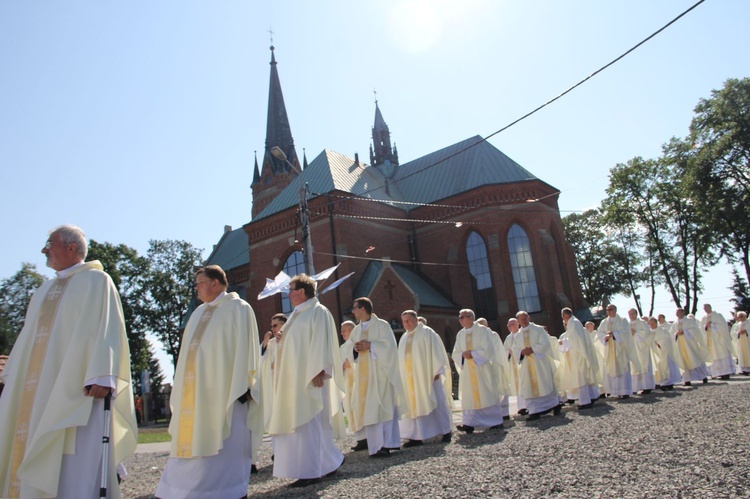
[{"x": 304, "y": 213}]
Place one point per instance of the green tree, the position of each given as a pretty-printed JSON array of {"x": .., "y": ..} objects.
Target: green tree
[
  {"x": 720, "y": 172},
  {"x": 167, "y": 291},
  {"x": 128, "y": 272},
  {"x": 154, "y": 371},
  {"x": 741, "y": 293},
  {"x": 15, "y": 295},
  {"x": 600, "y": 256}
]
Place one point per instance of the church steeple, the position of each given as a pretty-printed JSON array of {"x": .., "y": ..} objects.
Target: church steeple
[
  {"x": 382, "y": 155},
  {"x": 275, "y": 174}
]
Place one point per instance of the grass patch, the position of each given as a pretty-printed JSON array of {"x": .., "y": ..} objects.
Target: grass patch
[{"x": 153, "y": 435}]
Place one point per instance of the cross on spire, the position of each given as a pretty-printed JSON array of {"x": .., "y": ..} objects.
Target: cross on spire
[{"x": 270, "y": 30}]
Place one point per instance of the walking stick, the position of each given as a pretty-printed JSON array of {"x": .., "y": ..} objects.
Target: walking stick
[{"x": 105, "y": 445}]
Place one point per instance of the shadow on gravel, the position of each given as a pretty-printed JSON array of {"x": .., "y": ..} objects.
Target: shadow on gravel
[
  {"x": 546, "y": 422},
  {"x": 480, "y": 439}
]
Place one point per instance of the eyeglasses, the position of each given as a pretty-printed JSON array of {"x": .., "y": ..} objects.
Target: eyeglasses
[{"x": 464, "y": 317}]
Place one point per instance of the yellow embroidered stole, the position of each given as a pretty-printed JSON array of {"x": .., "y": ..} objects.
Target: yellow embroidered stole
[
  {"x": 363, "y": 376},
  {"x": 471, "y": 367},
  {"x": 531, "y": 365},
  {"x": 187, "y": 406},
  {"x": 683, "y": 347},
  {"x": 409, "y": 368},
  {"x": 47, "y": 317}
]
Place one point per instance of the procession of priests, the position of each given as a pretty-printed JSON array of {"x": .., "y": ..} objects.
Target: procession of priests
[{"x": 306, "y": 383}]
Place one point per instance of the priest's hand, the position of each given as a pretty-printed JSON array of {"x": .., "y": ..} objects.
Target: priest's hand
[
  {"x": 679, "y": 333},
  {"x": 607, "y": 336},
  {"x": 96, "y": 391},
  {"x": 437, "y": 377},
  {"x": 362, "y": 346},
  {"x": 267, "y": 337},
  {"x": 743, "y": 332},
  {"x": 467, "y": 355},
  {"x": 527, "y": 351},
  {"x": 317, "y": 381},
  {"x": 346, "y": 365}
]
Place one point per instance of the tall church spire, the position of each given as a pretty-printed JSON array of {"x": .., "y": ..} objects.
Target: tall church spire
[
  {"x": 382, "y": 155},
  {"x": 275, "y": 174}
]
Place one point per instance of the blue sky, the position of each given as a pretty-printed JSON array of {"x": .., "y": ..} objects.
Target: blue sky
[{"x": 139, "y": 120}]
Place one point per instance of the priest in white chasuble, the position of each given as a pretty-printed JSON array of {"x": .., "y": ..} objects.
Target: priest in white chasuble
[
  {"x": 307, "y": 390},
  {"x": 478, "y": 388},
  {"x": 378, "y": 392},
  {"x": 268, "y": 349},
  {"x": 719, "y": 343},
  {"x": 532, "y": 352},
  {"x": 690, "y": 348},
  {"x": 503, "y": 369},
  {"x": 426, "y": 378},
  {"x": 216, "y": 415},
  {"x": 513, "y": 329},
  {"x": 71, "y": 353},
  {"x": 741, "y": 343},
  {"x": 666, "y": 372},
  {"x": 643, "y": 378},
  {"x": 579, "y": 365},
  {"x": 615, "y": 341},
  {"x": 347, "y": 350}
]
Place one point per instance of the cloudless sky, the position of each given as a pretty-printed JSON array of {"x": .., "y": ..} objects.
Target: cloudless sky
[{"x": 139, "y": 120}]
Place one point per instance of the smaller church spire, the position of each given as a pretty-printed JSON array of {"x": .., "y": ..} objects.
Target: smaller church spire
[
  {"x": 304, "y": 159},
  {"x": 382, "y": 155},
  {"x": 256, "y": 170}
]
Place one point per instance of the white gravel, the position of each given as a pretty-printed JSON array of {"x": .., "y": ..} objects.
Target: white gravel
[{"x": 691, "y": 442}]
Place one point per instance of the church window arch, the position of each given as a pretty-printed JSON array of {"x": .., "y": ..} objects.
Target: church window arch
[
  {"x": 294, "y": 264},
  {"x": 522, "y": 267},
  {"x": 481, "y": 277}
]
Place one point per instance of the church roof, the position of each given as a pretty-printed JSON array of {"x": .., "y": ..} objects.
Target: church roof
[
  {"x": 232, "y": 251},
  {"x": 332, "y": 171},
  {"x": 457, "y": 172},
  {"x": 428, "y": 295}
]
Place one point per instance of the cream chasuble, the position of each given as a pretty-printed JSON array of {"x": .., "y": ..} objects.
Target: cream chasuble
[
  {"x": 74, "y": 332},
  {"x": 217, "y": 365},
  {"x": 741, "y": 345},
  {"x": 377, "y": 384},
  {"x": 690, "y": 349},
  {"x": 579, "y": 366},
  {"x": 644, "y": 343},
  {"x": 309, "y": 345},
  {"x": 422, "y": 356},
  {"x": 477, "y": 382},
  {"x": 512, "y": 364},
  {"x": 535, "y": 371},
  {"x": 349, "y": 373},
  {"x": 265, "y": 378},
  {"x": 718, "y": 339},
  {"x": 619, "y": 352}
]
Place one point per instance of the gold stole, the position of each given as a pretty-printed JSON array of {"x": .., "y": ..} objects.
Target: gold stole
[
  {"x": 745, "y": 351},
  {"x": 47, "y": 317},
  {"x": 187, "y": 406},
  {"x": 363, "y": 376},
  {"x": 409, "y": 368},
  {"x": 531, "y": 365},
  {"x": 471, "y": 366},
  {"x": 708, "y": 342}
]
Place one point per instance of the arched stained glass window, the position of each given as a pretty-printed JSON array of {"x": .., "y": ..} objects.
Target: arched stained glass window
[
  {"x": 522, "y": 266},
  {"x": 481, "y": 278},
  {"x": 294, "y": 265}
]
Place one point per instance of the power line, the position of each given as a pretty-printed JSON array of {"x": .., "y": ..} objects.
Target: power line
[{"x": 539, "y": 108}]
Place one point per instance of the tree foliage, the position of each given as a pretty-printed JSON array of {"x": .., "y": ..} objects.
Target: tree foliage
[
  {"x": 128, "y": 271},
  {"x": 168, "y": 289},
  {"x": 15, "y": 295},
  {"x": 719, "y": 174},
  {"x": 600, "y": 256}
]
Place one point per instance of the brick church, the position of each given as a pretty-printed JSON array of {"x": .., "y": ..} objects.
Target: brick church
[{"x": 461, "y": 227}]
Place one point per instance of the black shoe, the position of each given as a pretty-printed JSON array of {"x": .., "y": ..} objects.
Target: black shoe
[
  {"x": 361, "y": 445},
  {"x": 669, "y": 388},
  {"x": 412, "y": 443},
  {"x": 383, "y": 452},
  {"x": 447, "y": 437},
  {"x": 624, "y": 397},
  {"x": 497, "y": 427},
  {"x": 570, "y": 401},
  {"x": 725, "y": 377},
  {"x": 603, "y": 396},
  {"x": 557, "y": 409},
  {"x": 687, "y": 383},
  {"x": 585, "y": 406},
  {"x": 253, "y": 469},
  {"x": 705, "y": 381},
  {"x": 523, "y": 412},
  {"x": 304, "y": 482},
  {"x": 744, "y": 373},
  {"x": 533, "y": 417},
  {"x": 336, "y": 470},
  {"x": 465, "y": 428},
  {"x": 506, "y": 418},
  {"x": 645, "y": 392}
]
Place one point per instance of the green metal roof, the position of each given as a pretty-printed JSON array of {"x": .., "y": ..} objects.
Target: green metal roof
[
  {"x": 427, "y": 294},
  {"x": 456, "y": 172},
  {"x": 232, "y": 251}
]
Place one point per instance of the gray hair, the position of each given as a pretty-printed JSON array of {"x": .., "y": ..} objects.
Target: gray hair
[
  {"x": 467, "y": 311},
  {"x": 72, "y": 234}
]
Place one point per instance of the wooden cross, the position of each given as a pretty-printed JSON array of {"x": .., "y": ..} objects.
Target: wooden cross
[{"x": 390, "y": 287}]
